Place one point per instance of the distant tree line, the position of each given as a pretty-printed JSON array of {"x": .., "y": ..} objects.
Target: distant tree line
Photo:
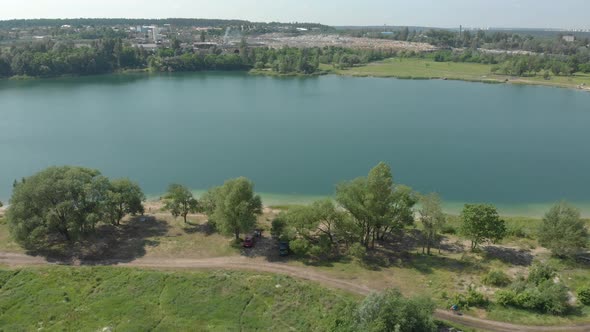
[
  {"x": 499, "y": 40},
  {"x": 258, "y": 27},
  {"x": 520, "y": 65},
  {"x": 49, "y": 59}
]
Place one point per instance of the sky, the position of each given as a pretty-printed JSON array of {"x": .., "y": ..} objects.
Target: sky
[{"x": 567, "y": 14}]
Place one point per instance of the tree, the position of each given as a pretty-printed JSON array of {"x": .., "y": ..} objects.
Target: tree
[
  {"x": 59, "y": 202},
  {"x": 563, "y": 231},
  {"x": 236, "y": 206},
  {"x": 180, "y": 201},
  {"x": 203, "y": 37},
  {"x": 481, "y": 223},
  {"x": 123, "y": 197},
  {"x": 377, "y": 206},
  {"x": 432, "y": 218}
]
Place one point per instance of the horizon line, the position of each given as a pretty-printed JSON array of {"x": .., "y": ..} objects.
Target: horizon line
[{"x": 302, "y": 22}]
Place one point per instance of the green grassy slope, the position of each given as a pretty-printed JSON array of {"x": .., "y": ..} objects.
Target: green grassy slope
[{"x": 121, "y": 299}]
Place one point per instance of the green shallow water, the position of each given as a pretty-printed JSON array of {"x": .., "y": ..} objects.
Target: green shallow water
[{"x": 520, "y": 147}]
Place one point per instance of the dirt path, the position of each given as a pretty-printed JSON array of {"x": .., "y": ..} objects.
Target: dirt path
[{"x": 244, "y": 263}]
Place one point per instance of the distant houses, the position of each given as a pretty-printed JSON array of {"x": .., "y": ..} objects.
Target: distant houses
[{"x": 569, "y": 38}]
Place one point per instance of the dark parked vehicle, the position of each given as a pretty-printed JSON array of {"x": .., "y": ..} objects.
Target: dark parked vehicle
[
  {"x": 283, "y": 248},
  {"x": 248, "y": 242}
]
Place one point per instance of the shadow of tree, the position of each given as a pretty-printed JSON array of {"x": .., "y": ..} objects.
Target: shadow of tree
[
  {"x": 205, "y": 228},
  {"x": 509, "y": 255},
  {"x": 428, "y": 264},
  {"x": 110, "y": 244}
]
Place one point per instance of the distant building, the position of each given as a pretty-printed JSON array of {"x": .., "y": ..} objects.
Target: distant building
[{"x": 569, "y": 38}]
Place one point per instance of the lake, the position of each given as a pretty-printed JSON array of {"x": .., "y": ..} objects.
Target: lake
[{"x": 521, "y": 147}]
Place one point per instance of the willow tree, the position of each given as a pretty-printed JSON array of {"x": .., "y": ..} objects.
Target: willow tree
[
  {"x": 235, "y": 206},
  {"x": 179, "y": 201},
  {"x": 432, "y": 219},
  {"x": 376, "y": 204},
  {"x": 59, "y": 203}
]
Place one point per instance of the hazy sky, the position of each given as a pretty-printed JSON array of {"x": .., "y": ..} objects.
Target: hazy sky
[{"x": 441, "y": 13}]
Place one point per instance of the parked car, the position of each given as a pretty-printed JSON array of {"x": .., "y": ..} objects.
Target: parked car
[
  {"x": 284, "y": 248},
  {"x": 248, "y": 242}
]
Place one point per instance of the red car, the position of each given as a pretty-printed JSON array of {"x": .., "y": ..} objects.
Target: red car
[{"x": 248, "y": 242}]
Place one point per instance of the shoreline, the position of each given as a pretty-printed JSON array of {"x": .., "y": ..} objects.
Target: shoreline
[
  {"x": 534, "y": 210},
  {"x": 498, "y": 79}
]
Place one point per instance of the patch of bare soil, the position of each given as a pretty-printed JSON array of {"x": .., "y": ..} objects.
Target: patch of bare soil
[{"x": 278, "y": 40}]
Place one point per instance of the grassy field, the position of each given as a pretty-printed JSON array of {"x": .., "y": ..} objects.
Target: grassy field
[
  {"x": 121, "y": 299},
  {"x": 414, "y": 68},
  {"x": 400, "y": 265}
]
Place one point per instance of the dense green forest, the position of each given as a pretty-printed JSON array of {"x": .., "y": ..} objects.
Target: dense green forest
[{"x": 49, "y": 59}]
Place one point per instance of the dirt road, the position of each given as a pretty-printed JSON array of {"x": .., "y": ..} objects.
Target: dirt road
[{"x": 244, "y": 263}]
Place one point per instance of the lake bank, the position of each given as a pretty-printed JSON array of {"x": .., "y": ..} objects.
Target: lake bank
[
  {"x": 398, "y": 68},
  {"x": 527, "y": 210},
  {"x": 424, "y": 69}
]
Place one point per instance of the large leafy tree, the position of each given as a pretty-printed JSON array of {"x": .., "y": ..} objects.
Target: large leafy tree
[
  {"x": 481, "y": 223},
  {"x": 563, "y": 231},
  {"x": 235, "y": 207},
  {"x": 123, "y": 197},
  {"x": 319, "y": 223},
  {"x": 376, "y": 204},
  {"x": 432, "y": 218},
  {"x": 59, "y": 202},
  {"x": 180, "y": 201}
]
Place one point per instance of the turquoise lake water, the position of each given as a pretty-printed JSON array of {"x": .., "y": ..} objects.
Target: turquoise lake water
[{"x": 521, "y": 147}]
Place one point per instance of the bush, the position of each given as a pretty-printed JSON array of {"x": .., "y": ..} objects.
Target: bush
[
  {"x": 449, "y": 229},
  {"x": 506, "y": 297},
  {"x": 584, "y": 295},
  {"x": 496, "y": 278},
  {"x": 540, "y": 273},
  {"x": 390, "y": 311},
  {"x": 357, "y": 251},
  {"x": 473, "y": 298},
  {"x": 316, "y": 251},
  {"x": 277, "y": 227},
  {"x": 299, "y": 247},
  {"x": 516, "y": 231},
  {"x": 476, "y": 299},
  {"x": 538, "y": 293}
]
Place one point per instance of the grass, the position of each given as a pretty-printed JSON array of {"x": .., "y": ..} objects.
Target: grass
[
  {"x": 415, "y": 68},
  {"x": 121, "y": 299},
  {"x": 401, "y": 266},
  {"x": 7, "y": 244},
  {"x": 192, "y": 240}
]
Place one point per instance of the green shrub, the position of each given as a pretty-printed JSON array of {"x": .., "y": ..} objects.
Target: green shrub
[
  {"x": 545, "y": 297},
  {"x": 540, "y": 273},
  {"x": 316, "y": 251},
  {"x": 448, "y": 229},
  {"x": 277, "y": 227},
  {"x": 473, "y": 298},
  {"x": 357, "y": 251},
  {"x": 299, "y": 247},
  {"x": 496, "y": 278},
  {"x": 516, "y": 231},
  {"x": 390, "y": 311},
  {"x": 584, "y": 295},
  {"x": 506, "y": 297},
  {"x": 476, "y": 299}
]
